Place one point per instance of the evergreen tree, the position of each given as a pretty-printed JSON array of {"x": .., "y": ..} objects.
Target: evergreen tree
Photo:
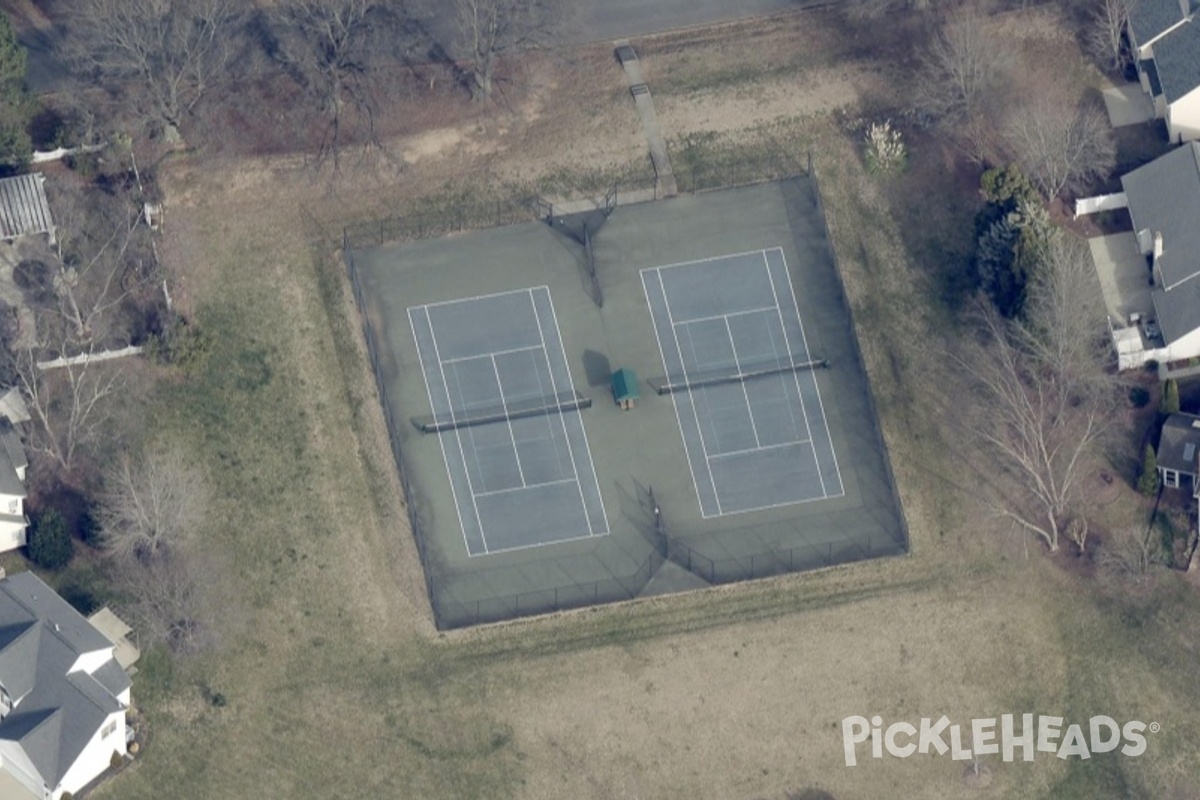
[
  {"x": 50, "y": 542},
  {"x": 16, "y": 107},
  {"x": 1148, "y": 482},
  {"x": 1170, "y": 397}
]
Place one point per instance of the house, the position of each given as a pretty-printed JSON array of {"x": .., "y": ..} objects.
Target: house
[
  {"x": 1163, "y": 198},
  {"x": 1164, "y": 36},
  {"x": 63, "y": 695},
  {"x": 1179, "y": 453},
  {"x": 13, "y": 522}
]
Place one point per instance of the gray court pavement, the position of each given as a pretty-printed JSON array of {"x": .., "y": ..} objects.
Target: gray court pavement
[{"x": 640, "y": 450}]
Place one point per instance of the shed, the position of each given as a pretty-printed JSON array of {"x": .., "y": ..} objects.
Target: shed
[
  {"x": 625, "y": 387},
  {"x": 24, "y": 209}
]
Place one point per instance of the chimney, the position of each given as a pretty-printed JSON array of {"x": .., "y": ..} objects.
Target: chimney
[{"x": 1158, "y": 247}]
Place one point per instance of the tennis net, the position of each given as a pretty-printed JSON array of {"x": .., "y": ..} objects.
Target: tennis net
[
  {"x": 514, "y": 409},
  {"x": 734, "y": 374}
]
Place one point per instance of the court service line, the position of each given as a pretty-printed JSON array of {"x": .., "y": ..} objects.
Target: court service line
[
  {"x": 704, "y": 261},
  {"x": 558, "y": 461},
  {"x": 471, "y": 299},
  {"x": 726, "y": 315},
  {"x": 762, "y": 449},
  {"x": 442, "y": 442},
  {"x": 527, "y": 486},
  {"x": 666, "y": 371},
  {"x": 456, "y": 359},
  {"x": 820, "y": 403},
  {"x": 583, "y": 428},
  {"x": 796, "y": 375},
  {"x": 512, "y": 437},
  {"x": 737, "y": 362},
  {"x": 537, "y": 317},
  {"x": 688, "y": 385}
]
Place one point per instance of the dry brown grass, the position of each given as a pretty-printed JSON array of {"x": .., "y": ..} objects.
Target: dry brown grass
[{"x": 343, "y": 689}]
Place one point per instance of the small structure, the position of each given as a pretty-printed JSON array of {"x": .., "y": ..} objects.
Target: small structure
[
  {"x": 625, "y": 387},
  {"x": 117, "y": 631},
  {"x": 24, "y": 210},
  {"x": 1179, "y": 453}
]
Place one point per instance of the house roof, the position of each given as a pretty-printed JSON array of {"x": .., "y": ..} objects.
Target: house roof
[
  {"x": 1149, "y": 18},
  {"x": 56, "y": 711},
  {"x": 1164, "y": 197},
  {"x": 23, "y": 206},
  {"x": 1178, "y": 433},
  {"x": 1178, "y": 310},
  {"x": 12, "y": 458},
  {"x": 12, "y": 406},
  {"x": 1177, "y": 59}
]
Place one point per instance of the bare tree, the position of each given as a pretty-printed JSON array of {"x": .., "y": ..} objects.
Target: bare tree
[
  {"x": 489, "y": 28},
  {"x": 170, "y": 51},
  {"x": 151, "y": 506},
  {"x": 1106, "y": 30},
  {"x": 1045, "y": 406},
  {"x": 963, "y": 76},
  {"x": 69, "y": 404},
  {"x": 1059, "y": 147},
  {"x": 326, "y": 46},
  {"x": 1063, "y": 326},
  {"x": 182, "y": 600},
  {"x": 1133, "y": 554}
]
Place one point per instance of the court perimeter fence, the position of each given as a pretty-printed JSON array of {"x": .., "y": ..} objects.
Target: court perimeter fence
[{"x": 449, "y": 612}]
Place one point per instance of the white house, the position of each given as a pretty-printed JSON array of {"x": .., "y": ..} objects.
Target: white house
[
  {"x": 13, "y": 463},
  {"x": 1179, "y": 453},
  {"x": 1165, "y": 39},
  {"x": 1163, "y": 198},
  {"x": 63, "y": 695}
]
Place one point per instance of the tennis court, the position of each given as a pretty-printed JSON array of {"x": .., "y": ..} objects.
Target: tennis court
[
  {"x": 508, "y": 419},
  {"x": 743, "y": 382}
]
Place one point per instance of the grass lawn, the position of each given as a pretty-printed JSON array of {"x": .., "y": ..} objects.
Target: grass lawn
[{"x": 338, "y": 686}]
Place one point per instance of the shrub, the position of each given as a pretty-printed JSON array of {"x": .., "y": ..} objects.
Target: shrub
[
  {"x": 1148, "y": 483},
  {"x": 49, "y": 541},
  {"x": 116, "y": 761},
  {"x": 1170, "y": 397},
  {"x": 1139, "y": 397},
  {"x": 886, "y": 154},
  {"x": 182, "y": 344}
]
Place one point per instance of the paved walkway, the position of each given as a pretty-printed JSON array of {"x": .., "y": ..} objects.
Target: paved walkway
[
  {"x": 1127, "y": 105},
  {"x": 645, "y": 106}
]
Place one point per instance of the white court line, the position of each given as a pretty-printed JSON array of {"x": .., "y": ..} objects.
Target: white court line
[
  {"x": 795, "y": 374},
  {"x": 549, "y": 428},
  {"x": 458, "y": 433},
  {"x": 688, "y": 387},
  {"x": 442, "y": 442},
  {"x": 587, "y": 447},
  {"x": 512, "y": 437},
  {"x": 561, "y": 418},
  {"x": 476, "y": 297},
  {"x": 820, "y": 403},
  {"x": 737, "y": 362},
  {"x": 813, "y": 499},
  {"x": 762, "y": 449},
  {"x": 667, "y": 372},
  {"x": 762, "y": 310},
  {"x": 456, "y": 359},
  {"x": 703, "y": 261},
  {"x": 527, "y": 486}
]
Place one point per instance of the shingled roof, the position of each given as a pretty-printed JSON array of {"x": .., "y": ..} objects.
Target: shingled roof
[
  {"x": 24, "y": 209},
  {"x": 1179, "y": 444},
  {"x": 1164, "y": 197},
  {"x": 57, "y": 708}
]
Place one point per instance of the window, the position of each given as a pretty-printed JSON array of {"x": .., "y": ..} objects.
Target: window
[
  {"x": 108, "y": 729},
  {"x": 13, "y": 506},
  {"x": 1171, "y": 478}
]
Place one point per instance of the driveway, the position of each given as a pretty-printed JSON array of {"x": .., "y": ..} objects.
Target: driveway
[
  {"x": 1124, "y": 276},
  {"x": 1127, "y": 105}
]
